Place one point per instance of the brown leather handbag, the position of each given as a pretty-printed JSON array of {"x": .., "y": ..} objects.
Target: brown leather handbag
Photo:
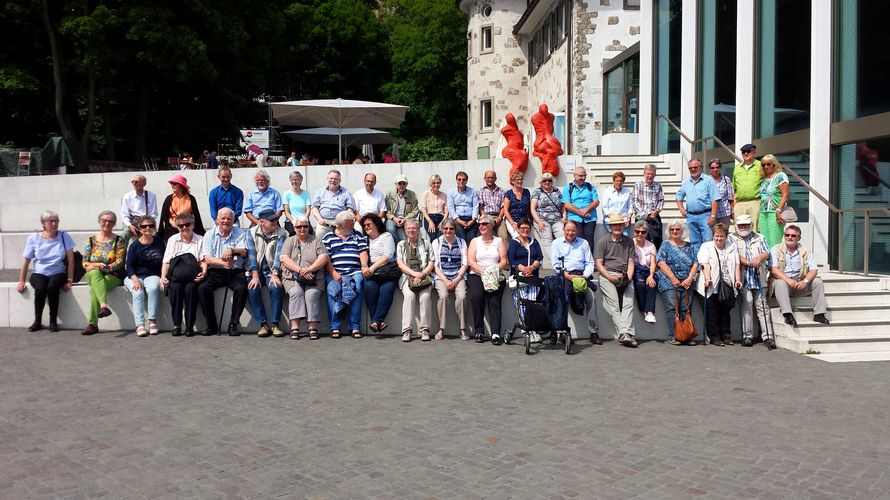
[{"x": 684, "y": 330}]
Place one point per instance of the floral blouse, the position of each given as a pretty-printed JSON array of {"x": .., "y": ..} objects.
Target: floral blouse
[
  {"x": 770, "y": 195},
  {"x": 111, "y": 253},
  {"x": 679, "y": 259}
]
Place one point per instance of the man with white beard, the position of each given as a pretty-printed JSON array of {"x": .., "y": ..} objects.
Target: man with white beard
[{"x": 754, "y": 258}]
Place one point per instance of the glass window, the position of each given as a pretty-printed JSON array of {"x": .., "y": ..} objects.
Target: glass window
[
  {"x": 631, "y": 4},
  {"x": 864, "y": 58},
  {"x": 784, "y": 67},
  {"x": 861, "y": 178},
  {"x": 485, "y": 114},
  {"x": 718, "y": 71},
  {"x": 622, "y": 90},
  {"x": 668, "y": 26},
  {"x": 486, "y": 39}
]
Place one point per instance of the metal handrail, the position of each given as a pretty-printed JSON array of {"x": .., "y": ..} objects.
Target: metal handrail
[{"x": 839, "y": 212}]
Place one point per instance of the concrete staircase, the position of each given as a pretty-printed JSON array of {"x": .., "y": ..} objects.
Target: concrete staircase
[
  {"x": 857, "y": 308},
  {"x": 601, "y": 168}
]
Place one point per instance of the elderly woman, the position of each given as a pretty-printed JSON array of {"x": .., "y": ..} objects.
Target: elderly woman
[
  {"x": 677, "y": 270},
  {"x": 487, "y": 257},
  {"x": 645, "y": 258},
  {"x": 144, "y": 261},
  {"x": 348, "y": 252},
  {"x": 616, "y": 199},
  {"x": 296, "y": 203},
  {"x": 303, "y": 258},
  {"x": 180, "y": 201},
  {"x": 412, "y": 256},
  {"x": 726, "y": 203},
  {"x": 773, "y": 198},
  {"x": 52, "y": 253},
  {"x": 382, "y": 276},
  {"x": 449, "y": 256},
  {"x": 525, "y": 257},
  {"x": 548, "y": 213},
  {"x": 183, "y": 254},
  {"x": 517, "y": 204},
  {"x": 434, "y": 207},
  {"x": 720, "y": 264},
  {"x": 104, "y": 260}
]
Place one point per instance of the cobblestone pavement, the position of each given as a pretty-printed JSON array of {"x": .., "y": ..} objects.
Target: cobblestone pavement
[{"x": 117, "y": 416}]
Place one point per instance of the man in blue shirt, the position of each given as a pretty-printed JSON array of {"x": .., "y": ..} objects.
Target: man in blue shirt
[
  {"x": 462, "y": 207},
  {"x": 226, "y": 195},
  {"x": 329, "y": 201},
  {"x": 581, "y": 200},
  {"x": 261, "y": 198},
  {"x": 571, "y": 256},
  {"x": 225, "y": 252},
  {"x": 697, "y": 200}
]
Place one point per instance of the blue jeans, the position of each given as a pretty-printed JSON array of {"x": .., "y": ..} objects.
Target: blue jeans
[
  {"x": 276, "y": 298},
  {"x": 699, "y": 230},
  {"x": 378, "y": 298},
  {"x": 398, "y": 233},
  {"x": 355, "y": 307},
  {"x": 466, "y": 234},
  {"x": 150, "y": 287}
]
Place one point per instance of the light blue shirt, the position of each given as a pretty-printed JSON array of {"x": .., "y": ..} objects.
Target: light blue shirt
[
  {"x": 462, "y": 204},
  {"x": 580, "y": 197},
  {"x": 48, "y": 256},
  {"x": 215, "y": 244},
  {"x": 256, "y": 201},
  {"x": 577, "y": 255},
  {"x": 793, "y": 264},
  {"x": 699, "y": 194},
  {"x": 330, "y": 204}
]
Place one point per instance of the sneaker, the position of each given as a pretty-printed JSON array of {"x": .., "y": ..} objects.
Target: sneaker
[
  {"x": 631, "y": 341},
  {"x": 747, "y": 343},
  {"x": 496, "y": 338},
  {"x": 153, "y": 328},
  {"x": 770, "y": 345},
  {"x": 141, "y": 331},
  {"x": 595, "y": 339},
  {"x": 535, "y": 338},
  {"x": 622, "y": 338},
  {"x": 674, "y": 341},
  {"x": 276, "y": 332},
  {"x": 264, "y": 331},
  {"x": 650, "y": 317},
  {"x": 424, "y": 336},
  {"x": 406, "y": 336},
  {"x": 727, "y": 341}
]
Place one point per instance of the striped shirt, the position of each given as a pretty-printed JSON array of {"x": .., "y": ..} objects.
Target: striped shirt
[
  {"x": 751, "y": 247},
  {"x": 345, "y": 253},
  {"x": 449, "y": 258},
  {"x": 724, "y": 189},
  {"x": 647, "y": 198},
  {"x": 491, "y": 199}
]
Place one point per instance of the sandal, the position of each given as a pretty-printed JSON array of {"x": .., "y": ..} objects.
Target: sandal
[
  {"x": 357, "y": 334},
  {"x": 382, "y": 326},
  {"x": 440, "y": 335},
  {"x": 374, "y": 327},
  {"x": 335, "y": 334},
  {"x": 295, "y": 334},
  {"x": 313, "y": 334}
]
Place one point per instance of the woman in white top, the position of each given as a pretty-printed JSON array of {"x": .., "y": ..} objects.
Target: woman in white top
[
  {"x": 380, "y": 282},
  {"x": 645, "y": 287},
  {"x": 434, "y": 207},
  {"x": 183, "y": 292},
  {"x": 720, "y": 263},
  {"x": 486, "y": 255}
]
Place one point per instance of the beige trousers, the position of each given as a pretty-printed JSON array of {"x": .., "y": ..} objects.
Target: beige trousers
[
  {"x": 460, "y": 294},
  {"x": 750, "y": 207},
  {"x": 410, "y": 299}
]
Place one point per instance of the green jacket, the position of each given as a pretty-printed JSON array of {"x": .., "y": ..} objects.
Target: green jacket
[
  {"x": 746, "y": 181},
  {"x": 411, "y": 206}
]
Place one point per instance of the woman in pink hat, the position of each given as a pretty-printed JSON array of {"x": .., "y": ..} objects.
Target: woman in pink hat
[{"x": 179, "y": 202}]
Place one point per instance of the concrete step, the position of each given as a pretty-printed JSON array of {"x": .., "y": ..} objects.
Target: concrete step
[{"x": 842, "y": 313}]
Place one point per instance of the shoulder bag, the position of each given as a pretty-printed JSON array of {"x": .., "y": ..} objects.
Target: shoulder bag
[
  {"x": 415, "y": 264},
  {"x": 184, "y": 268},
  {"x": 387, "y": 272},
  {"x": 788, "y": 214},
  {"x": 79, "y": 271},
  {"x": 684, "y": 330},
  {"x": 297, "y": 276},
  {"x": 725, "y": 292}
]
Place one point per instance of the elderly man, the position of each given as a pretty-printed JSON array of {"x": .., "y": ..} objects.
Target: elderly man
[
  {"x": 462, "y": 206},
  {"x": 746, "y": 179},
  {"x": 329, "y": 201},
  {"x": 580, "y": 201},
  {"x": 614, "y": 257},
  {"x": 648, "y": 202},
  {"x": 401, "y": 204},
  {"x": 571, "y": 256},
  {"x": 262, "y": 198},
  {"x": 697, "y": 200},
  {"x": 490, "y": 199},
  {"x": 369, "y": 200},
  {"x": 264, "y": 243},
  {"x": 137, "y": 203},
  {"x": 226, "y": 195},
  {"x": 794, "y": 273},
  {"x": 225, "y": 252},
  {"x": 754, "y": 258}
]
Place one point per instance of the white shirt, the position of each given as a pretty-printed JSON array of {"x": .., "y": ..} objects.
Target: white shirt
[
  {"x": 373, "y": 202},
  {"x": 175, "y": 246},
  {"x": 615, "y": 202},
  {"x": 133, "y": 205}
]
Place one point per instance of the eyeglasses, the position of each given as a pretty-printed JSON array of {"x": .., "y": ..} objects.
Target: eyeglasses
[
  {"x": 547, "y": 180},
  {"x": 183, "y": 226},
  {"x": 146, "y": 226},
  {"x": 792, "y": 235},
  {"x": 134, "y": 182},
  {"x": 748, "y": 152},
  {"x": 767, "y": 164},
  {"x": 675, "y": 229},
  {"x": 714, "y": 167},
  {"x": 447, "y": 229},
  {"x": 402, "y": 183},
  {"x": 461, "y": 179},
  {"x": 52, "y": 221},
  {"x": 107, "y": 221},
  {"x": 525, "y": 228},
  {"x": 301, "y": 227},
  {"x": 640, "y": 232}
]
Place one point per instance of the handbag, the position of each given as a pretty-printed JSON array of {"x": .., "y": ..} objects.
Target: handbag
[
  {"x": 491, "y": 278},
  {"x": 684, "y": 330},
  {"x": 299, "y": 277},
  {"x": 415, "y": 264},
  {"x": 79, "y": 271},
  {"x": 725, "y": 292},
  {"x": 788, "y": 214},
  {"x": 387, "y": 272},
  {"x": 184, "y": 268}
]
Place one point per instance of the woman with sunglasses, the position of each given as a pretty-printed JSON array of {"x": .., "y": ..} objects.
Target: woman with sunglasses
[
  {"x": 381, "y": 279},
  {"x": 104, "y": 260},
  {"x": 548, "y": 213},
  {"x": 645, "y": 287},
  {"x": 303, "y": 258},
  {"x": 487, "y": 257},
  {"x": 144, "y": 261},
  {"x": 184, "y": 292},
  {"x": 773, "y": 198}
]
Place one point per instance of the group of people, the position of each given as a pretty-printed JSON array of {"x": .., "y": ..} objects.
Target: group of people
[{"x": 359, "y": 247}]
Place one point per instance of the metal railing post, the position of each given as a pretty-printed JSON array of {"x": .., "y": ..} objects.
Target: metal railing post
[{"x": 866, "y": 243}]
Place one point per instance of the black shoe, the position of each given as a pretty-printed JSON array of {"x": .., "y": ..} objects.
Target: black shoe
[
  {"x": 770, "y": 345},
  {"x": 747, "y": 343},
  {"x": 789, "y": 319},
  {"x": 496, "y": 339},
  {"x": 508, "y": 337},
  {"x": 209, "y": 332},
  {"x": 53, "y": 327},
  {"x": 233, "y": 330},
  {"x": 479, "y": 338},
  {"x": 820, "y": 318},
  {"x": 595, "y": 339},
  {"x": 189, "y": 331},
  {"x": 35, "y": 327},
  {"x": 177, "y": 331}
]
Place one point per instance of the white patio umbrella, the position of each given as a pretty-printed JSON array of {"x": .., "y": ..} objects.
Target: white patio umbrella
[
  {"x": 339, "y": 114},
  {"x": 347, "y": 136}
]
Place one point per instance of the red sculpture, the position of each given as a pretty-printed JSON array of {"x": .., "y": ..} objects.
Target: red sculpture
[
  {"x": 515, "y": 148},
  {"x": 546, "y": 147}
]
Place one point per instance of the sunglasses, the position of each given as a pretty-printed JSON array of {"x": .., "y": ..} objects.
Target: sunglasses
[
  {"x": 768, "y": 164},
  {"x": 183, "y": 226},
  {"x": 675, "y": 229},
  {"x": 640, "y": 232},
  {"x": 792, "y": 235},
  {"x": 305, "y": 227},
  {"x": 447, "y": 229},
  {"x": 146, "y": 226},
  {"x": 483, "y": 223},
  {"x": 547, "y": 180}
]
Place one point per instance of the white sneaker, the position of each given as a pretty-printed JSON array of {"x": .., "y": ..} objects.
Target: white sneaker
[
  {"x": 140, "y": 331},
  {"x": 535, "y": 338},
  {"x": 650, "y": 318}
]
